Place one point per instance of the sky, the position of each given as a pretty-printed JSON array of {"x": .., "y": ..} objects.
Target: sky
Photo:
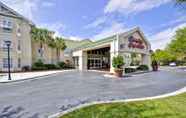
[{"x": 97, "y": 19}]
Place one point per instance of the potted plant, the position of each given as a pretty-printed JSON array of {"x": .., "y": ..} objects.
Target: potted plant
[
  {"x": 118, "y": 63},
  {"x": 155, "y": 65}
]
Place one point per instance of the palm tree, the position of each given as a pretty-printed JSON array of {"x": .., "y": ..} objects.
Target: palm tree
[
  {"x": 42, "y": 36},
  {"x": 59, "y": 45}
]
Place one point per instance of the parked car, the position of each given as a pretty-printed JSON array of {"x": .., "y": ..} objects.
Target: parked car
[{"x": 173, "y": 64}]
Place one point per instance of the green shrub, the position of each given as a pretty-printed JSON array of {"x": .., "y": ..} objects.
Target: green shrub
[
  {"x": 39, "y": 65},
  {"x": 130, "y": 70},
  {"x": 50, "y": 66},
  {"x": 61, "y": 65},
  {"x": 143, "y": 68},
  {"x": 118, "y": 62}
]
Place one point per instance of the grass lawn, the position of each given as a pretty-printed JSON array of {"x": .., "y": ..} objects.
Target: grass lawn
[{"x": 172, "y": 107}]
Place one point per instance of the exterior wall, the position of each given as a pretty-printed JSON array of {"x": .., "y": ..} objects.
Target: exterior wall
[
  {"x": 49, "y": 56},
  {"x": 126, "y": 51},
  {"x": 119, "y": 46},
  {"x": 82, "y": 55},
  {"x": 23, "y": 36}
]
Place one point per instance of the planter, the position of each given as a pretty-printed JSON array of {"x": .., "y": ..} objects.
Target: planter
[
  {"x": 155, "y": 68},
  {"x": 118, "y": 72}
]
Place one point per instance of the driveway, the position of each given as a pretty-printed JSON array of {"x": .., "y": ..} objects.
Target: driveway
[{"x": 43, "y": 97}]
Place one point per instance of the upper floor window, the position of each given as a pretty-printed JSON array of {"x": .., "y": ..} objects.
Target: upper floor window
[{"x": 7, "y": 25}]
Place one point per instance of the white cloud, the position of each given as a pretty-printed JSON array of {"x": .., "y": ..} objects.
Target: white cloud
[
  {"x": 75, "y": 38},
  {"x": 57, "y": 27},
  {"x": 161, "y": 39},
  {"x": 24, "y": 7},
  {"x": 48, "y": 4},
  {"x": 174, "y": 21},
  {"x": 108, "y": 31},
  {"x": 96, "y": 23},
  {"x": 27, "y": 8},
  {"x": 132, "y": 6}
]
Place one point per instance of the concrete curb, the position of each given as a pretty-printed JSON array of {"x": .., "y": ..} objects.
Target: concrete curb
[
  {"x": 57, "y": 115},
  {"x": 37, "y": 77}
]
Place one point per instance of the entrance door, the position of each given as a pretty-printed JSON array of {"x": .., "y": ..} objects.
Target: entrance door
[
  {"x": 76, "y": 62},
  {"x": 94, "y": 63}
]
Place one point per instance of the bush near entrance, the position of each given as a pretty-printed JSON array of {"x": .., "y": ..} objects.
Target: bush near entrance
[
  {"x": 39, "y": 65},
  {"x": 130, "y": 70},
  {"x": 118, "y": 62},
  {"x": 143, "y": 68}
]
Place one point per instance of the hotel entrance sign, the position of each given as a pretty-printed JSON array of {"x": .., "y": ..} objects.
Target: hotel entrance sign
[{"x": 135, "y": 43}]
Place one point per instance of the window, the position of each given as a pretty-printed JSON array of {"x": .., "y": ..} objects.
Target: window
[
  {"x": 7, "y": 25},
  {"x": 19, "y": 63},
  {"x": 5, "y": 63},
  {"x": 122, "y": 46},
  {"x": 19, "y": 45},
  {"x": 18, "y": 29}
]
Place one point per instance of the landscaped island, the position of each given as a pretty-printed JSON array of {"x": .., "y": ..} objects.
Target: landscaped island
[{"x": 172, "y": 107}]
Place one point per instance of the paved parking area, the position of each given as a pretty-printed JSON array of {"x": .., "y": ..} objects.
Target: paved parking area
[{"x": 43, "y": 97}]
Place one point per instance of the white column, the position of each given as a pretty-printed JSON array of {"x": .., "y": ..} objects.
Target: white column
[
  {"x": 113, "y": 53},
  {"x": 146, "y": 60},
  {"x": 83, "y": 61}
]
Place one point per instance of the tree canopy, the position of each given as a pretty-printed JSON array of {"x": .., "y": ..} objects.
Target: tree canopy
[
  {"x": 175, "y": 51},
  {"x": 163, "y": 56},
  {"x": 47, "y": 37},
  {"x": 178, "y": 44},
  {"x": 181, "y": 3},
  {"x": 41, "y": 35}
]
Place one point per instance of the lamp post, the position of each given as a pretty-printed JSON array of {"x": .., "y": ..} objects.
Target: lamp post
[{"x": 8, "y": 43}]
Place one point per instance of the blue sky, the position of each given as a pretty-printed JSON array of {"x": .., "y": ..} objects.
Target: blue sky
[{"x": 96, "y": 19}]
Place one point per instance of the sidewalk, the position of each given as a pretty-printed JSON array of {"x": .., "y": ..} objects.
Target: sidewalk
[
  {"x": 27, "y": 75},
  {"x": 174, "y": 69}
]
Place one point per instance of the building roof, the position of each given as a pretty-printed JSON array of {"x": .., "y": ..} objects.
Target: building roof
[
  {"x": 72, "y": 44},
  {"x": 107, "y": 40},
  {"x": 13, "y": 13}
]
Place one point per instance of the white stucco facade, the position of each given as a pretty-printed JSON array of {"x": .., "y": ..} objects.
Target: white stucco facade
[{"x": 120, "y": 44}]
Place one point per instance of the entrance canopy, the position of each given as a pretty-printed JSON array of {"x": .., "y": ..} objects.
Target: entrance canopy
[{"x": 99, "y": 54}]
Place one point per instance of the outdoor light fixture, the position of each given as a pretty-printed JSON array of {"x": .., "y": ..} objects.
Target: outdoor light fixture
[{"x": 8, "y": 44}]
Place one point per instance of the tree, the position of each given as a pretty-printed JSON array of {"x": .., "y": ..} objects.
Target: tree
[
  {"x": 60, "y": 43},
  {"x": 181, "y": 3},
  {"x": 163, "y": 56},
  {"x": 178, "y": 44},
  {"x": 42, "y": 36}
]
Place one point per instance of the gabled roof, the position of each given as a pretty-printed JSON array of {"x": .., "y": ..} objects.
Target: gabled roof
[
  {"x": 13, "y": 13},
  {"x": 137, "y": 29},
  {"x": 111, "y": 38}
]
